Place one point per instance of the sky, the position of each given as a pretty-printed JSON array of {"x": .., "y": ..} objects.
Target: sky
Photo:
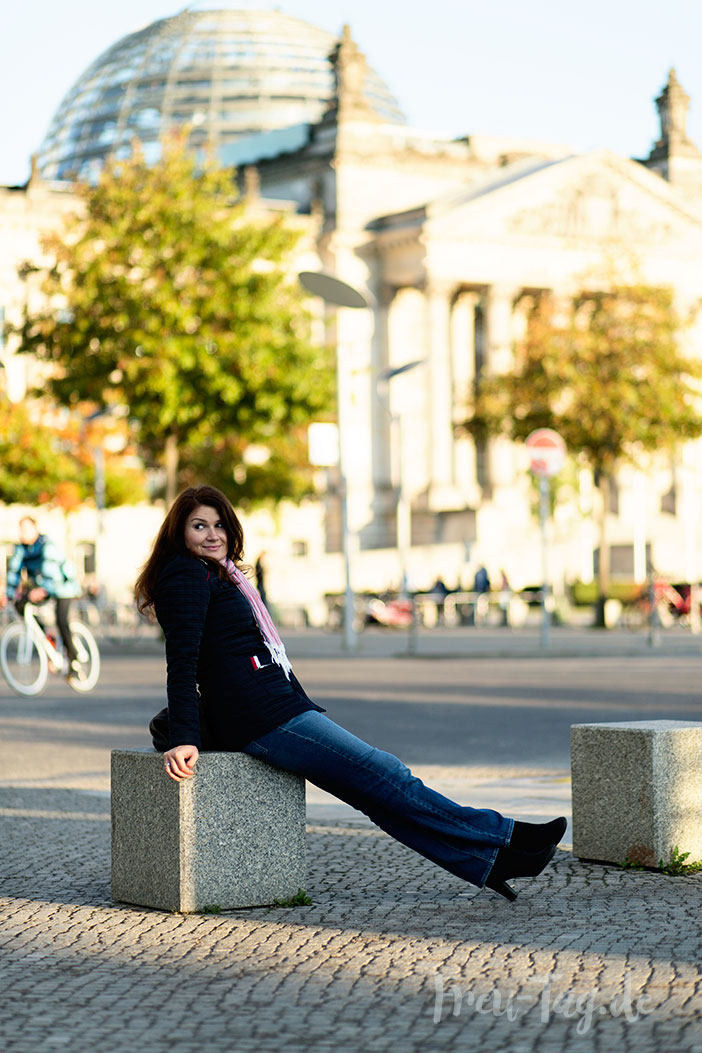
[{"x": 582, "y": 74}]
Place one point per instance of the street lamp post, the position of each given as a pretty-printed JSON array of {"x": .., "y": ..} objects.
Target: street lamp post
[
  {"x": 403, "y": 512},
  {"x": 98, "y": 452},
  {"x": 337, "y": 293}
]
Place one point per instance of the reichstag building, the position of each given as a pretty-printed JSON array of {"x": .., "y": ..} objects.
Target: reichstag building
[{"x": 447, "y": 238}]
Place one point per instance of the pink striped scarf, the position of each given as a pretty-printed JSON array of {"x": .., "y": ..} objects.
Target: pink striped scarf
[{"x": 261, "y": 616}]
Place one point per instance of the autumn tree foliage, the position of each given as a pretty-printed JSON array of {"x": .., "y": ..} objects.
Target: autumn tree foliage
[
  {"x": 606, "y": 371},
  {"x": 43, "y": 462},
  {"x": 168, "y": 297}
]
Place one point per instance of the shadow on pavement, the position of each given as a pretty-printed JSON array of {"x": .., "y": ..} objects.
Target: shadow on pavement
[{"x": 57, "y": 849}]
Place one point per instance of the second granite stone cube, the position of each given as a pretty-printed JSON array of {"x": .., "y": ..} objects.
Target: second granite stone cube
[{"x": 637, "y": 790}]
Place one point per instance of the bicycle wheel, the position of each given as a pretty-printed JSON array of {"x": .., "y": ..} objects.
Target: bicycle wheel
[
  {"x": 88, "y": 658},
  {"x": 24, "y": 663}
]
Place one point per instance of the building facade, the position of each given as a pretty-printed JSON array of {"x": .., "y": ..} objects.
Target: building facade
[{"x": 448, "y": 239}]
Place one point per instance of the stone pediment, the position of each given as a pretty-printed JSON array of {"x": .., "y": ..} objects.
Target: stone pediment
[{"x": 597, "y": 198}]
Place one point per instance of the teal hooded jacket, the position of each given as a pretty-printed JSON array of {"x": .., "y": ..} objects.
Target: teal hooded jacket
[{"x": 46, "y": 566}]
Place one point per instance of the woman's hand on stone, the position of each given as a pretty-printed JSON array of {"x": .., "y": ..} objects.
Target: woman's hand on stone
[{"x": 180, "y": 762}]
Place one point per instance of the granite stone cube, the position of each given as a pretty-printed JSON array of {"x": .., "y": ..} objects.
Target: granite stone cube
[
  {"x": 637, "y": 790},
  {"x": 232, "y": 836}
]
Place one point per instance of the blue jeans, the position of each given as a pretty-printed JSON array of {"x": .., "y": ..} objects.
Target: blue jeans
[{"x": 463, "y": 840}]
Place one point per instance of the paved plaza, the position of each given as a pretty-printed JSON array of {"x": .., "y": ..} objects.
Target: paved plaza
[{"x": 393, "y": 953}]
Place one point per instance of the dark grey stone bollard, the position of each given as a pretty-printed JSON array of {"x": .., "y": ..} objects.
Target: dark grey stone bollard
[
  {"x": 232, "y": 836},
  {"x": 637, "y": 790}
]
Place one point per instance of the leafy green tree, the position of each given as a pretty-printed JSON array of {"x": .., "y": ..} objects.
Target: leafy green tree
[
  {"x": 167, "y": 296},
  {"x": 32, "y": 463},
  {"x": 124, "y": 484},
  {"x": 608, "y": 374},
  {"x": 227, "y": 463}
]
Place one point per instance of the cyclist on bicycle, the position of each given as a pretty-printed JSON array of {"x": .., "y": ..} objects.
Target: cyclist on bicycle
[{"x": 49, "y": 574}]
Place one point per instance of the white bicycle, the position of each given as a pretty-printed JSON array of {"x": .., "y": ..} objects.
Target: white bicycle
[{"x": 28, "y": 654}]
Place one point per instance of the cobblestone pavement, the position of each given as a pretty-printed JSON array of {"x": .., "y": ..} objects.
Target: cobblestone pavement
[{"x": 392, "y": 954}]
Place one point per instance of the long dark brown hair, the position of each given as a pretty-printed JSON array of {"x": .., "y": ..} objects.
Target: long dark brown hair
[{"x": 170, "y": 540}]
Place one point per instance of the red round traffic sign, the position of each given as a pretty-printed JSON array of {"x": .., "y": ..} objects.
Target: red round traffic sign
[{"x": 547, "y": 451}]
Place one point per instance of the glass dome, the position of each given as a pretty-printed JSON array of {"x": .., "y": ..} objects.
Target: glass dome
[{"x": 228, "y": 74}]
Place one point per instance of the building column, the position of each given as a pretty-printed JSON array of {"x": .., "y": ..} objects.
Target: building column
[
  {"x": 463, "y": 367},
  {"x": 443, "y": 494},
  {"x": 500, "y": 335},
  {"x": 500, "y": 359},
  {"x": 380, "y": 413}
]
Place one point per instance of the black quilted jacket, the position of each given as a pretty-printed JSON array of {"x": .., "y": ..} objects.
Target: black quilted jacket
[{"x": 212, "y": 640}]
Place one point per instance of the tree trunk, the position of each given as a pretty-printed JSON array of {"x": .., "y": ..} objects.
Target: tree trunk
[
  {"x": 604, "y": 567},
  {"x": 171, "y": 460}
]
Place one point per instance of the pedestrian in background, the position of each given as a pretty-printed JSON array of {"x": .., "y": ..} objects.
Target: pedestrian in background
[
  {"x": 481, "y": 582},
  {"x": 481, "y": 586},
  {"x": 505, "y": 598},
  {"x": 440, "y": 591},
  {"x": 260, "y": 575}
]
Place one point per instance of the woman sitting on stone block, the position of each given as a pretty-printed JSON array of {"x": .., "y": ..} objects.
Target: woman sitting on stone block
[{"x": 230, "y": 686}]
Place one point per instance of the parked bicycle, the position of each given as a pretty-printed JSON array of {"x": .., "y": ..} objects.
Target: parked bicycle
[
  {"x": 392, "y": 612},
  {"x": 28, "y": 654},
  {"x": 668, "y": 604}
]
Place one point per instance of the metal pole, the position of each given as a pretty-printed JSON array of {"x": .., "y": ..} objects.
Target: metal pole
[
  {"x": 654, "y": 621},
  {"x": 695, "y": 621},
  {"x": 350, "y": 635},
  {"x": 403, "y": 514},
  {"x": 403, "y": 510},
  {"x": 99, "y": 459},
  {"x": 334, "y": 291},
  {"x": 404, "y": 541},
  {"x": 543, "y": 518}
]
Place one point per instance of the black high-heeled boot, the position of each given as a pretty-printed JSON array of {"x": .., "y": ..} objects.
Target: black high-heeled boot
[
  {"x": 512, "y": 862},
  {"x": 532, "y": 837}
]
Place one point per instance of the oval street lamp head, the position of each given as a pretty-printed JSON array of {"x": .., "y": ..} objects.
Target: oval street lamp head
[
  {"x": 332, "y": 290},
  {"x": 394, "y": 371}
]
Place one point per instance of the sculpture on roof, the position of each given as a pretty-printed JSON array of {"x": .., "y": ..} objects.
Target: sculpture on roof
[
  {"x": 351, "y": 71},
  {"x": 673, "y": 104}
]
